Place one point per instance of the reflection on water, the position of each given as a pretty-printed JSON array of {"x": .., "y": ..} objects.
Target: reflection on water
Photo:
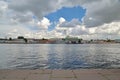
[{"x": 59, "y": 56}]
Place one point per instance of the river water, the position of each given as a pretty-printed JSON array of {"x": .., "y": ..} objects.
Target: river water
[{"x": 59, "y": 56}]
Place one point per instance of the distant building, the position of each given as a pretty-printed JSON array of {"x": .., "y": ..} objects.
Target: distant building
[
  {"x": 117, "y": 40},
  {"x": 72, "y": 40},
  {"x": 2, "y": 40},
  {"x": 16, "y": 41},
  {"x": 57, "y": 41}
]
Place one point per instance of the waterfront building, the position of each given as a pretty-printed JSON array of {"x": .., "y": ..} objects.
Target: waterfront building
[
  {"x": 72, "y": 40},
  {"x": 117, "y": 40}
]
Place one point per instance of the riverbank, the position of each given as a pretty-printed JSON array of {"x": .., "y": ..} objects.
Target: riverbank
[
  {"x": 80, "y": 74},
  {"x": 67, "y": 40}
]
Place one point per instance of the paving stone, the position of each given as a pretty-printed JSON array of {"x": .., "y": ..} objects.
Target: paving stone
[
  {"x": 17, "y": 74},
  {"x": 47, "y": 71},
  {"x": 38, "y": 77},
  {"x": 81, "y": 74},
  {"x": 2, "y": 76},
  {"x": 86, "y": 71},
  {"x": 105, "y": 71},
  {"x": 63, "y": 79},
  {"x": 62, "y": 74},
  {"x": 4, "y": 73},
  {"x": 113, "y": 77},
  {"x": 115, "y": 70},
  {"x": 90, "y": 77},
  {"x": 11, "y": 79},
  {"x": 35, "y": 71}
]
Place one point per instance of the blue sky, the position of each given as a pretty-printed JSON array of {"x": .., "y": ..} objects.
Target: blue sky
[{"x": 68, "y": 13}]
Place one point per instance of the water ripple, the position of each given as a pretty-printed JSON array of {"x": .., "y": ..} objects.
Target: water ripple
[{"x": 59, "y": 56}]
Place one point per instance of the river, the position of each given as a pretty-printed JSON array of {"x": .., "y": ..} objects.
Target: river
[{"x": 59, "y": 56}]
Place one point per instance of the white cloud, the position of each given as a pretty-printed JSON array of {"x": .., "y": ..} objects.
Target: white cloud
[
  {"x": 101, "y": 12},
  {"x": 44, "y": 23},
  {"x": 101, "y": 20},
  {"x": 107, "y": 11},
  {"x": 72, "y": 23},
  {"x": 13, "y": 31},
  {"x": 62, "y": 20},
  {"x": 3, "y": 8},
  {"x": 79, "y": 30},
  {"x": 39, "y": 8},
  {"x": 112, "y": 28},
  {"x": 103, "y": 31}
]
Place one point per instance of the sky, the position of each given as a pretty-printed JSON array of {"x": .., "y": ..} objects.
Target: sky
[{"x": 87, "y": 19}]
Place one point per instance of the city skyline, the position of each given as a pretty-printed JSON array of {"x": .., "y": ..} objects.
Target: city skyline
[{"x": 95, "y": 19}]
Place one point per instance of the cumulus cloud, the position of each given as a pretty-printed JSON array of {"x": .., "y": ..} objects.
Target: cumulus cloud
[
  {"x": 110, "y": 29},
  {"x": 107, "y": 11},
  {"x": 102, "y": 17},
  {"x": 44, "y": 23},
  {"x": 62, "y": 20},
  {"x": 72, "y": 23},
  {"x": 101, "y": 12},
  {"x": 3, "y": 8},
  {"x": 13, "y": 31},
  {"x": 22, "y": 17},
  {"x": 79, "y": 30},
  {"x": 39, "y": 7}
]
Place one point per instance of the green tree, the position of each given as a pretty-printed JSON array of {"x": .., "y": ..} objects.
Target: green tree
[
  {"x": 10, "y": 38},
  {"x": 25, "y": 40},
  {"x": 80, "y": 40},
  {"x": 20, "y": 37},
  {"x": 43, "y": 38}
]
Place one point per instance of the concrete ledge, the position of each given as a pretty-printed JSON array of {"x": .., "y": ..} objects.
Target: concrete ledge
[{"x": 80, "y": 74}]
